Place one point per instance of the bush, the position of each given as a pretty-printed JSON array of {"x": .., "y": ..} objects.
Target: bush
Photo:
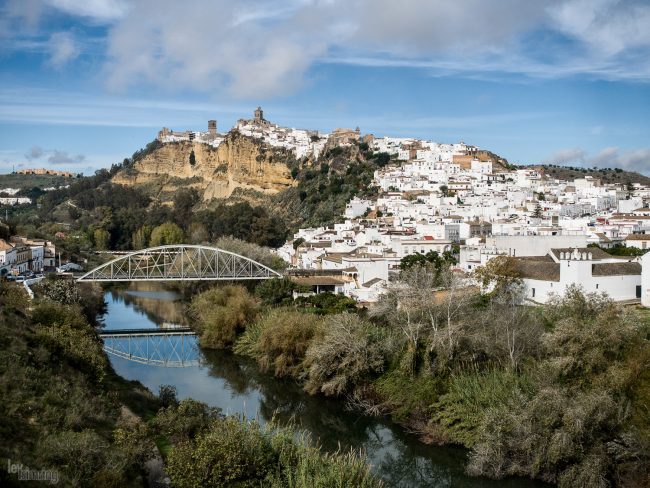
[
  {"x": 221, "y": 313},
  {"x": 231, "y": 453},
  {"x": 279, "y": 341},
  {"x": 185, "y": 420},
  {"x": 167, "y": 395},
  {"x": 349, "y": 350},
  {"x": 326, "y": 303},
  {"x": 237, "y": 453},
  {"x": 471, "y": 395},
  {"x": 13, "y": 297}
]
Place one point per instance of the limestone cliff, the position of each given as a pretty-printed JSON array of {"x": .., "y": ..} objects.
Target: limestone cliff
[{"x": 238, "y": 162}]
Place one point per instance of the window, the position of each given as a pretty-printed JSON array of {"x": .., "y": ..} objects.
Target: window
[
  {"x": 533, "y": 293},
  {"x": 596, "y": 286}
]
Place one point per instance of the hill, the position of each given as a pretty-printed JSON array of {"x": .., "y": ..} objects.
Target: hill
[
  {"x": 25, "y": 182},
  {"x": 605, "y": 175}
]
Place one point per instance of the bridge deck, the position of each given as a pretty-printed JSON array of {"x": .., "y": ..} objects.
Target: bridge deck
[{"x": 146, "y": 332}]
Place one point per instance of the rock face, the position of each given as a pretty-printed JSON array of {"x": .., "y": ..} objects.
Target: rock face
[{"x": 238, "y": 162}]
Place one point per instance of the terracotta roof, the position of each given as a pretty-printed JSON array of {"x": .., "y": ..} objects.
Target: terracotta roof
[
  {"x": 319, "y": 244},
  {"x": 317, "y": 280},
  {"x": 373, "y": 281},
  {"x": 616, "y": 269},
  {"x": 538, "y": 270},
  {"x": 638, "y": 237}
]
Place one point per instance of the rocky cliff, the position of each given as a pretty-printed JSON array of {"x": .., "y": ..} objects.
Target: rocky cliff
[{"x": 238, "y": 163}]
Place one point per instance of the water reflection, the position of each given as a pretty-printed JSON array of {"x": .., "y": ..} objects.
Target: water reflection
[{"x": 236, "y": 386}]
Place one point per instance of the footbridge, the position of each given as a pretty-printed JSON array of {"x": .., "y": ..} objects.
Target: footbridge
[
  {"x": 181, "y": 262},
  {"x": 170, "y": 348}
]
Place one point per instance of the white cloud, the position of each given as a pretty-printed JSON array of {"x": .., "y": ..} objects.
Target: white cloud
[
  {"x": 98, "y": 10},
  {"x": 62, "y": 157},
  {"x": 62, "y": 49},
  {"x": 567, "y": 156},
  {"x": 261, "y": 48}
]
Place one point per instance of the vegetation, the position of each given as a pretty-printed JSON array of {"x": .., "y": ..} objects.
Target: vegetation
[
  {"x": 62, "y": 407},
  {"x": 220, "y": 451},
  {"x": 557, "y": 392},
  {"x": 326, "y": 186},
  {"x": 621, "y": 250},
  {"x": 64, "y": 410},
  {"x": 279, "y": 340},
  {"x": 221, "y": 313},
  {"x": 606, "y": 175}
]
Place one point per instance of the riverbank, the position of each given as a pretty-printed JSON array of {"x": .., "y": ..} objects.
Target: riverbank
[
  {"x": 506, "y": 382},
  {"x": 68, "y": 418}
]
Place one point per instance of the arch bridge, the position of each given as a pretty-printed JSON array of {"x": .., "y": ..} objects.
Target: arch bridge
[{"x": 180, "y": 262}]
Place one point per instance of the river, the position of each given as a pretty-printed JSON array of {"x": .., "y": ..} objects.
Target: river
[{"x": 236, "y": 386}]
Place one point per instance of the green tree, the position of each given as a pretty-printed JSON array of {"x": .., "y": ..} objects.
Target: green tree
[
  {"x": 140, "y": 238},
  {"x": 167, "y": 233},
  {"x": 192, "y": 158},
  {"x": 101, "y": 237}
]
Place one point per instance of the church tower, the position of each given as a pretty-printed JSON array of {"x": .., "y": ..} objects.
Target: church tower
[{"x": 258, "y": 115}]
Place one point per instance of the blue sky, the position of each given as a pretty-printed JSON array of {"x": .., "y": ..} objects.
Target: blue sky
[{"x": 85, "y": 83}]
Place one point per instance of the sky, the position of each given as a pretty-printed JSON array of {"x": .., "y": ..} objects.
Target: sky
[{"x": 85, "y": 83}]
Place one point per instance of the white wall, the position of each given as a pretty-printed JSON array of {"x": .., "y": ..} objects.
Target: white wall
[
  {"x": 534, "y": 245},
  {"x": 645, "y": 280}
]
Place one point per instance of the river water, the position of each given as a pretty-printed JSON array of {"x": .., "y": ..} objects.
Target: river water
[{"x": 236, "y": 386}]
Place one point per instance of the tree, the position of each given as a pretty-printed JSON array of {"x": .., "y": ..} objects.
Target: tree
[
  {"x": 438, "y": 261},
  {"x": 101, "y": 237},
  {"x": 140, "y": 238},
  {"x": 298, "y": 242},
  {"x": 350, "y": 349},
  {"x": 167, "y": 233},
  {"x": 499, "y": 275},
  {"x": 539, "y": 212},
  {"x": 192, "y": 158},
  {"x": 444, "y": 189},
  {"x": 184, "y": 201}
]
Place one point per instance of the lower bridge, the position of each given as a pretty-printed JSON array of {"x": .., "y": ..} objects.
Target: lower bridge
[
  {"x": 171, "y": 348},
  {"x": 146, "y": 332}
]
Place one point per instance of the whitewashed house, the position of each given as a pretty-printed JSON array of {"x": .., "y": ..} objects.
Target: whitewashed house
[{"x": 591, "y": 268}]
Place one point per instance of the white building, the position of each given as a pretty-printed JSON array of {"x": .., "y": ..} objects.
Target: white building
[{"x": 592, "y": 269}]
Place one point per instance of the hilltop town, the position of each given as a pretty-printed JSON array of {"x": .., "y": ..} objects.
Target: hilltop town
[{"x": 464, "y": 200}]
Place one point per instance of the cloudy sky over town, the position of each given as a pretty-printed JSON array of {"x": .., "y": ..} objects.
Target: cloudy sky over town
[{"x": 85, "y": 83}]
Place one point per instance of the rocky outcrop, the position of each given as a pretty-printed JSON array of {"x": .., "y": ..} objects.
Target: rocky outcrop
[{"x": 238, "y": 163}]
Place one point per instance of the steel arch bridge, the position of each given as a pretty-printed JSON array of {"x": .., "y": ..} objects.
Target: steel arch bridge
[{"x": 180, "y": 262}]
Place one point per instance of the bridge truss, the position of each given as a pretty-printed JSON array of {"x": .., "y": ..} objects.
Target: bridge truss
[
  {"x": 182, "y": 262},
  {"x": 170, "y": 349}
]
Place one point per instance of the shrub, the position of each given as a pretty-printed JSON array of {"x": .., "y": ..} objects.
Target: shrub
[
  {"x": 13, "y": 297},
  {"x": 279, "y": 341},
  {"x": 238, "y": 453},
  {"x": 471, "y": 394},
  {"x": 349, "y": 350},
  {"x": 79, "y": 347},
  {"x": 221, "y": 313},
  {"x": 167, "y": 395},
  {"x": 185, "y": 420},
  {"x": 231, "y": 453}
]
